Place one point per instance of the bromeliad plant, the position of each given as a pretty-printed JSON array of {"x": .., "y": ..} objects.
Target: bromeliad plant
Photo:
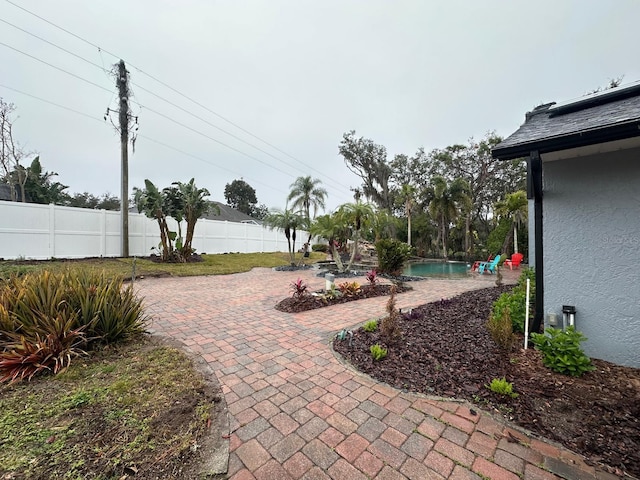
[
  {"x": 372, "y": 277},
  {"x": 349, "y": 289},
  {"x": 299, "y": 288},
  {"x": 46, "y": 319}
]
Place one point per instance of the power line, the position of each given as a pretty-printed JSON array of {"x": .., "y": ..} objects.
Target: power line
[
  {"x": 179, "y": 93},
  {"x": 55, "y": 67},
  {"x": 64, "y": 107},
  {"x": 155, "y": 112},
  {"x": 148, "y": 91},
  {"x": 209, "y": 163},
  {"x": 54, "y": 45},
  {"x": 52, "y": 103}
]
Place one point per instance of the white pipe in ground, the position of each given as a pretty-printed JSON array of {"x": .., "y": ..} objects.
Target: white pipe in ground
[{"x": 526, "y": 318}]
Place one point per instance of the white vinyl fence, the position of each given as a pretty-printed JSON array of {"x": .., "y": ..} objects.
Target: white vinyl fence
[{"x": 33, "y": 231}]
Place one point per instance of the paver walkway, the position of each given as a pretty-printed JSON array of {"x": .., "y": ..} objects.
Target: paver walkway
[{"x": 296, "y": 412}]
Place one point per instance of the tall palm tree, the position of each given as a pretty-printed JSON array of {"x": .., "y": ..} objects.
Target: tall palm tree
[
  {"x": 288, "y": 221},
  {"x": 306, "y": 193},
  {"x": 407, "y": 194},
  {"x": 445, "y": 206},
  {"x": 358, "y": 215},
  {"x": 514, "y": 207}
]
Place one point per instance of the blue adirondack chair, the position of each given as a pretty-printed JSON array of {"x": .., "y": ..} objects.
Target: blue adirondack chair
[{"x": 489, "y": 266}]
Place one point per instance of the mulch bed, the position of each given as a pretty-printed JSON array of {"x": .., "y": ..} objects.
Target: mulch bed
[
  {"x": 310, "y": 302},
  {"x": 446, "y": 350}
]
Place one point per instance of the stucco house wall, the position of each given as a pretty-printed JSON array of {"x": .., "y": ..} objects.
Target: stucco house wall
[{"x": 591, "y": 241}]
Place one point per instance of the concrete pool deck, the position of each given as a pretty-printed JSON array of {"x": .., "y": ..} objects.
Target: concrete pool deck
[{"x": 296, "y": 412}]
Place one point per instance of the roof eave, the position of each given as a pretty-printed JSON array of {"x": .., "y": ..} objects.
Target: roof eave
[{"x": 579, "y": 139}]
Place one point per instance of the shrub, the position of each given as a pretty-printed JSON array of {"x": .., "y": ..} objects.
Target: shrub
[
  {"x": 389, "y": 329},
  {"x": 392, "y": 255},
  {"x": 349, "y": 289},
  {"x": 299, "y": 288},
  {"x": 501, "y": 329},
  {"x": 377, "y": 352},
  {"x": 30, "y": 354},
  {"x": 502, "y": 387},
  {"x": 529, "y": 273},
  {"x": 107, "y": 310},
  {"x": 370, "y": 326},
  {"x": 511, "y": 304},
  {"x": 46, "y": 319},
  {"x": 372, "y": 276},
  {"x": 561, "y": 351},
  {"x": 320, "y": 247}
]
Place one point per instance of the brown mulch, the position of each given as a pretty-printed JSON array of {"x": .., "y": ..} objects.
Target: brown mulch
[
  {"x": 446, "y": 350},
  {"x": 311, "y": 302}
]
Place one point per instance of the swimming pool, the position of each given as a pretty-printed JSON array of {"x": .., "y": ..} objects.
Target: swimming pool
[{"x": 437, "y": 269}]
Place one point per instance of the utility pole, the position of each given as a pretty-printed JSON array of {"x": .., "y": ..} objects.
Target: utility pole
[{"x": 123, "y": 90}]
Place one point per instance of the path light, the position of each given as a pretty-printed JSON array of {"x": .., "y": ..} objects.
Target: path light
[
  {"x": 568, "y": 316},
  {"x": 329, "y": 278}
]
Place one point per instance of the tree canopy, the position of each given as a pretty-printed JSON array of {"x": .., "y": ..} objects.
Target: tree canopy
[{"x": 241, "y": 196}]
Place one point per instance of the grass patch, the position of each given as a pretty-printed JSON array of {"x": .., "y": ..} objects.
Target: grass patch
[
  {"x": 219, "y": 264},
  {"x": 139, "y": 407}
]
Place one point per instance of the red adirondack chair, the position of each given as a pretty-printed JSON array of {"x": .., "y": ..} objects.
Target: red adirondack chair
[{"x": 515, "y": 261}]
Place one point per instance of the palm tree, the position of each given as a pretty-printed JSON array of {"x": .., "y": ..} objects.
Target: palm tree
[
  {"x": 305, "y": 194},
  {"x": 331, "y": 228},
  {"x": 194, "y": 205},
  {"x": 407, "y": 194},
  {"x": 288, "y": 221},
  {"x": 445, "y": 206},
  {"x": 514, "y": 207},
  {"x": 152, "y": 203},
  {"x": 357, "y": 215},
  {"x": 383, "y": 224}
]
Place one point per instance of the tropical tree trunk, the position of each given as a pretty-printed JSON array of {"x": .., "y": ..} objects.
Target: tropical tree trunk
[
  {"x": 409, "y": 229},
  {"x": 507, "y": 241},
  {"x": 191, "y": 227},
  {"x": 293, "y": 247},
  {"x": 515, "y": 238},
  {"x": 164, "y": 239},
  {"x": 356, "y": 237},
  {"x": 467, "y": 227},
  {"x": 445, "y": 253},
  {"x": 336, "y": 257}
]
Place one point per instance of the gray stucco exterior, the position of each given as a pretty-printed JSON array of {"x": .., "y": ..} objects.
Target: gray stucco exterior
[{"x": 591, "y": 238}]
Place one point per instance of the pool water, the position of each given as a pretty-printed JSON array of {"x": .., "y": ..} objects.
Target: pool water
[{"x": 437, "y": 269}]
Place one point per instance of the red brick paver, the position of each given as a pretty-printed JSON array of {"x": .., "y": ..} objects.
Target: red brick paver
[{"x": 297, "y": 412}]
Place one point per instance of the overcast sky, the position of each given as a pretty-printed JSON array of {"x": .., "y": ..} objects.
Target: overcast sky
[{"x": 297, "y": 74}]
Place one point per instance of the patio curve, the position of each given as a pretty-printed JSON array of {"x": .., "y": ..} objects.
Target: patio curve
[{"x": 296, "y": 412}]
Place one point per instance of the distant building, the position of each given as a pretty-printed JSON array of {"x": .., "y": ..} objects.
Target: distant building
[
  {"x": 5, "y": 193},
  {"x": 230, "y": 214}
]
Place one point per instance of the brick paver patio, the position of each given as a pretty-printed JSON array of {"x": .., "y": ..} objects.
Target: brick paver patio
[{"x": 296, "y": 412}]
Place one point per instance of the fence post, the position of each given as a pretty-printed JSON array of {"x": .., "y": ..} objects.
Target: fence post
[
  {"x": 52, "y": 230},
  {"x": 103, "y": 232}
]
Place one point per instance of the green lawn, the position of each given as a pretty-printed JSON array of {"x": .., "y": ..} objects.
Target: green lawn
[{"x": 220, "y": 264}]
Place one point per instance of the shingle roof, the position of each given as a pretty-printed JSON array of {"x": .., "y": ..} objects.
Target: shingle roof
[
  {"x": 227, "y": 213},
  {"x": 589, "y": 120}
]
